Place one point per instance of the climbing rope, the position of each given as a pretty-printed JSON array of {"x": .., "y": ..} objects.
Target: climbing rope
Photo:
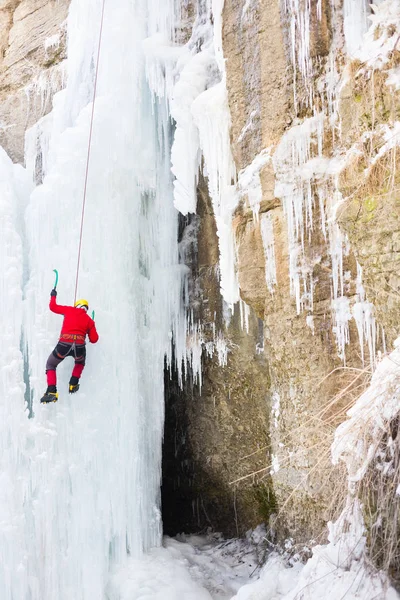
[{"x": 89, "y": 149}]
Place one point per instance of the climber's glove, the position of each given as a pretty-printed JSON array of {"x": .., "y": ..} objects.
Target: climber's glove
[{"x": 53, "y": 292}]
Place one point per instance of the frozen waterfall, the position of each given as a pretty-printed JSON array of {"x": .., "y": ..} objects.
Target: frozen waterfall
[{"x": 80, "y": 480}]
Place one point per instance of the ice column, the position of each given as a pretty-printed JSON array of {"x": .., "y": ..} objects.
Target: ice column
[
  {"x": 355, "y": 24},
  {"x": 86, "y": 471},
  {"x": 191, "y": 79}
]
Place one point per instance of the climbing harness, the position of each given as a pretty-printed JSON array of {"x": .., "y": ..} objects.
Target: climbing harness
[
  {"x": 89, "y": 148},
  {"x": 72, "y": 337}
]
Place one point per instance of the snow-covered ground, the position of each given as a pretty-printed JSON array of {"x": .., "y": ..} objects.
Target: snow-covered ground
[
  {"x": 191, "y": 567},
  {"x": 196, "y": 568},
  {"x": 204, "y": 568}
]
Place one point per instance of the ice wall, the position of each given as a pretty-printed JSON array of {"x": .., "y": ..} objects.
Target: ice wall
[
  {"x": 14, "y": 430},
  {"x": 85, "y": 472}
]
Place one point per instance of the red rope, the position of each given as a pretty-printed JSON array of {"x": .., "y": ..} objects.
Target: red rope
[{"x": 89, "y": 149}]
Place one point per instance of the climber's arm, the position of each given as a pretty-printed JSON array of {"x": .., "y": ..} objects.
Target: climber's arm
[{"x": 54, "y": 307}]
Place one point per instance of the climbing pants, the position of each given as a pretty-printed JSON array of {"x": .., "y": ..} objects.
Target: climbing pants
[{"x": 61, "y": 351}]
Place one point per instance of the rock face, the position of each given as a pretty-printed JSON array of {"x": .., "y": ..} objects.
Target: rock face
[
  {"x": 30, "y": 65},
  {"x": 272, "y": 96},
  {"x": 216, "y": 434},
  {"x": 370, "y": 216},
  {"x": 317, "y": 262}
]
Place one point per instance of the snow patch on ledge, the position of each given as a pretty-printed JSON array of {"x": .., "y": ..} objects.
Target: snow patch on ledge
[
  {"x": 382, "y": 36},
  {"x": 249, "y": 182},
  {"x": 52, "y": 41}
]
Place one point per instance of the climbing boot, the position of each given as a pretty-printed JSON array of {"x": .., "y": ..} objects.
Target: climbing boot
[
  {"x": 73, "y": 385},
  {"x": 51, "y": 395}
]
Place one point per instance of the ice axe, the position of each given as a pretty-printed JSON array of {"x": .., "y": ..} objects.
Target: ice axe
[{"x": 56, "y": 272}]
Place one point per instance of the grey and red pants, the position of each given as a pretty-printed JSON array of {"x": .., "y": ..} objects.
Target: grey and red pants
[{"x": 61, "y": 351}]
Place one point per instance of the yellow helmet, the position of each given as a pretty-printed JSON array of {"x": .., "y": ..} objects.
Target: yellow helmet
[{"x": 82, "y": 304}]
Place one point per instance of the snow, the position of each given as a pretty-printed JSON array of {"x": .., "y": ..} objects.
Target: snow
[
  {"x": 199, "y": 567},
  {"x": 339, "y": 569},
  {"x": 391, "y": 138},
  {"x": 246, "y": 7},
  {"x": 357, "y": 439},
  {"x": 52, "y": 41},
  {"x": 275, "y": 582},
  {"x": 249, "y": 182},
  {"x": 310, "y": 323},
  {"x": 249, "y": 125},
  {"x": 394, "y": 78},
  {"x": 157, "y": 576},
  {"x": 382, "y": 36},
  {"x": 274, "y": 464},
  {"x": 190, "y": 567}
]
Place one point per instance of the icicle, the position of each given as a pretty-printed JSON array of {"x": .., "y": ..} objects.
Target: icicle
[
  {"x": 244, "y": 315},
  {"x": 299, "y": 14},
  {"x": 355, "y": 24},
  {"x": 342, "y": 315},
  {"x": 363, "y": 313},
  {"x": 197, "y": 341},
  {"x": 294, "y": 168},
  {"x": 186, "y": 146}
]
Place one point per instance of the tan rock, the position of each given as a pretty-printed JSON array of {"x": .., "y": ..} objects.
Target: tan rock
[
  {"x": 29, "y": 67},
  {"x": 251, "y": 266},
  {"x": 301, "y": 352}
]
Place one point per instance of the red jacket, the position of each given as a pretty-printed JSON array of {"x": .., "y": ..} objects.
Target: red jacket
[{"x": 76, "y": 323}]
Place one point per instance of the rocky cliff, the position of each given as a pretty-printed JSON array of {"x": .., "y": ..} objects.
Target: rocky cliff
[
  {"x": 313, "y": 94},
  {"x": 32, "y": 48}
]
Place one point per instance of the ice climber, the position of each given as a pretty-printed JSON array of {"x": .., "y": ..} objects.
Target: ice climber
[{"x": 76, "y": 325}]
